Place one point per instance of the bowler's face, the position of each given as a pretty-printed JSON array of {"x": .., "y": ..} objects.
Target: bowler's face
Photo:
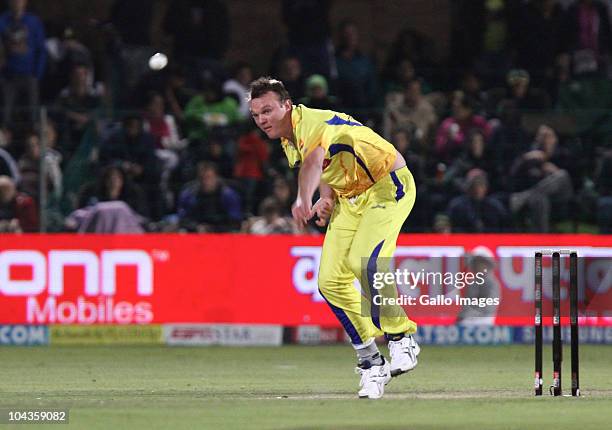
[{"x": 270, "y": 114}]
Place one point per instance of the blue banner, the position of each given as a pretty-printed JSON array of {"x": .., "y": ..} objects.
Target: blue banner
[{"x": 24, "y": 335}]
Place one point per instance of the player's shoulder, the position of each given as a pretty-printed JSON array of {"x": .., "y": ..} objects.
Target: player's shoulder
[
  {"x": 307, "y": 112},
  {"x": 322, "y": 116}
]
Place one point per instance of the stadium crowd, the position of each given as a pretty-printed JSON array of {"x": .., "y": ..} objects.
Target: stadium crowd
[{"x": 513, "y": 133}]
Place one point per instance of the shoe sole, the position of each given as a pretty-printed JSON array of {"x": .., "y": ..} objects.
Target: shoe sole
[
  {"x": 375, "y": 398},
  {"x": 369, "y": 398},
  {"x": 397, "y": 372}
]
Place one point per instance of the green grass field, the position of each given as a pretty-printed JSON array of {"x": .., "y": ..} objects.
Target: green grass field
[{"x": 298, "y": 388}]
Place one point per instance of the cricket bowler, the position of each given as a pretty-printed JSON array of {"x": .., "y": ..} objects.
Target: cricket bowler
[{"x": 366, "y": 194}]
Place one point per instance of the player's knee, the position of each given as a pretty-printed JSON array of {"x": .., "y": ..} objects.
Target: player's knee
[{"x": 324, "y": 284}]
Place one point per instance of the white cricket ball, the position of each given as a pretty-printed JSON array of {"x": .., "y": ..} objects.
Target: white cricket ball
[{"x": 158, "y": 61}]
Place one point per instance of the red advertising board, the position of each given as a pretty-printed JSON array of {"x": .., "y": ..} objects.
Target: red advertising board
[{"x": 130, "y": 279}]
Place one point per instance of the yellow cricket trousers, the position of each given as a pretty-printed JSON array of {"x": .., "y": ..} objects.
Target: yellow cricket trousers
[{"x": 361, "y": 231}]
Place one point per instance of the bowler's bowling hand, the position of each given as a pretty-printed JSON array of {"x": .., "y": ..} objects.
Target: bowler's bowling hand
[{"x": 301, "y": 211}]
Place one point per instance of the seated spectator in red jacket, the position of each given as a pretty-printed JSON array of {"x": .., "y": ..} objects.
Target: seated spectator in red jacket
[
  {"x": 453, "y": 131},
  {"x": 18, "y": 211},
  {"x": 251, "y": 157}
]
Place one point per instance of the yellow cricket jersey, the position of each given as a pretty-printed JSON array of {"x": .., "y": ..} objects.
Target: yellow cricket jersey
[{"x": 356, "y": 157}]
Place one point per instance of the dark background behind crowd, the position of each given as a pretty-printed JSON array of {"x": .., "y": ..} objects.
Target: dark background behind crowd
[{"x": 502, "y": 109}]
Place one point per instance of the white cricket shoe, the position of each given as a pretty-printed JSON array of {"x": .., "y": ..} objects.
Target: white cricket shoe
[
  {"x": 373, "y": 380},
  {"x": 404, "y": 354}
]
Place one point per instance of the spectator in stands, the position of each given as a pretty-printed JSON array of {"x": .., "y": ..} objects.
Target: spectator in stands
[
  {"x": 290, "y": 73},
  {"x": 409, "y": 109},
  {"x": 215, "y": 150},
  {"x": 471, "y": 85},
  {"x": 409, "y": 52},
  {"x": 308, "y": 31},
  {"x": 161, "y": 125},
  {"x": 284, "y": 194},
  {"x": 404, "y": 141},
  {"x": 603, "y": 181},
  {"x": 587, "y": 36},
  {"x": 357, "y": 81},
  {"x": 112, "y": 217},
  {"x": 442, "y": 224},
  {"x": 23, "y": 59},
  {"x": 508, "y": 141},
  {"x": 238, "y": 84},
  {"x": 176, "y": 92},
  {"x": 134, "y": 150},
  {"x": 541, "y": 185},
  {"x": 526, "y": 97},
  {"x": 270, "y": 220},
  {"x": 475, "y": 212},
  {"x": 112, "y": 185},
  {"x": 29, "y": 165},
  {"x": 453, "y": 131},
  {"x": 208, "y": 205},
  {"x": 251, "y": 158},
  {"x": 317, "y": 94},
  {"x": 79, "y": 104},
  {"x": 18, "y": 211},
  {"x": 168, "y": 144},
  {"x": 171, "y": 83},
  {"x": 53, "y": 160},
  {"x": 133, "y": 25},
  {"x": 472, "y": 157},
  {"x": 64, "y": 51},
  {"x": 208, "y": 110},
  {"x": 8, "y": 165},
  {"x": 395, "y": 80}
]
